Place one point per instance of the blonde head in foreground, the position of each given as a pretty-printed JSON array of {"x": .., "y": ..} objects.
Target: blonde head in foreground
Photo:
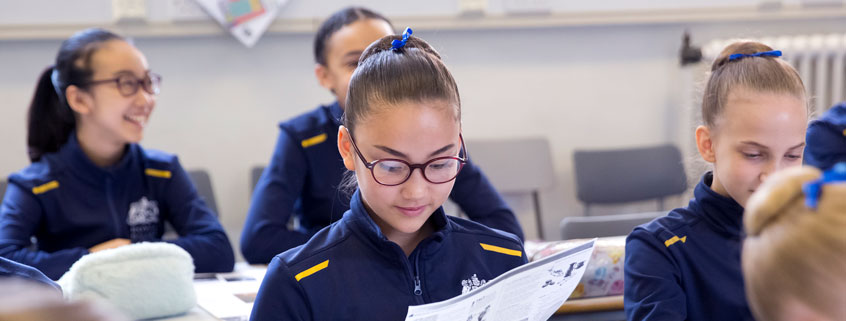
[{"x": 794, "y": 256}]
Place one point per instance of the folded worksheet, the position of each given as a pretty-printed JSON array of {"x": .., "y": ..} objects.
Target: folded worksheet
[{"x": 527, "y": 293}]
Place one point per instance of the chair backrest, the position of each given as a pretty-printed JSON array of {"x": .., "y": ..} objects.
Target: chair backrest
[
  {"x": 575, "y": 227},
  {"x": 202, "y": 182},
  {"x": 514, "y": 165},
  {"x": 2, "y": 189},
  {"x": 255, "y": 175},
  {"x": 628, "y": 175}
]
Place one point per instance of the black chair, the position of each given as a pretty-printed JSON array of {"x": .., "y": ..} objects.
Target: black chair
[
  {"x": 202, "y": 182},
  {"x": 628, "y": 175},
  {"x": 255, "y": 175},
  {"x": 2, "y": 189},
  {"x": 516, "y": 167},
  {"x": 582, "y": 227}
]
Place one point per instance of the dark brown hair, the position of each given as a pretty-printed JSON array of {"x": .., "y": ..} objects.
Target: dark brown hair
[
  {"x": 762, "y": 74},
  {"x": 337, "y": 21},
  {"x": 50, "y": 119},
  {"x": 385, "y": 77}
]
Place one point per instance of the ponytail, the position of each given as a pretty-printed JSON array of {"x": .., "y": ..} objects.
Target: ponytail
[{"x": 50, "y": 119}]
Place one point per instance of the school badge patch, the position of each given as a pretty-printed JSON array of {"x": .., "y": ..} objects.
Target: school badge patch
[
  {"x": 143, "y": 220},
  {"x": 471, "y": 284}
]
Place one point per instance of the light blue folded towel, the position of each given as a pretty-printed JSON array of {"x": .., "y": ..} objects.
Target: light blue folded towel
[{"x": 144, "y": 280}]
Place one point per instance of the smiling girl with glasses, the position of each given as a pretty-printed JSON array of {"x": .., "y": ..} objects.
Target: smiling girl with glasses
[
  {"x": 395, "y": 247},
  {"x": 91, "y": 186}
]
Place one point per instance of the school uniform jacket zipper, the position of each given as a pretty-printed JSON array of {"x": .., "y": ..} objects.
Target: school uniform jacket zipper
[
  {"x": 112, "y": 208},
  {"x": 413, "y": 274},
  {"x": 418, "y": 289}
]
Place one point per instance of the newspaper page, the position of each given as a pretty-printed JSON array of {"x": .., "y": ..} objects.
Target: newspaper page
[{"x": 532, "y": 292}]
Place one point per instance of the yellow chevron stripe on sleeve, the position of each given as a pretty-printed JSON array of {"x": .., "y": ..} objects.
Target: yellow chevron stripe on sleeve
[
  {"x": 314, "y": 140},
  {"x": 675, "y": 239},
  {"x": 311, "y": 270},
  {"x": 157, "y": 173},
  {"x": 45, "y": 187},
  {"x": 497, "y": 249}
]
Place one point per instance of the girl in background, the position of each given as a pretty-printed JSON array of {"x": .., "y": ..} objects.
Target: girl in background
[
  {"x": 686, "y": 265},
  {"x": 90, "y": 186}
]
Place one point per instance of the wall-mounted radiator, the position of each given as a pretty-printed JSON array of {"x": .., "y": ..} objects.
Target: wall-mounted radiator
[{"x": 818, "y": 58}]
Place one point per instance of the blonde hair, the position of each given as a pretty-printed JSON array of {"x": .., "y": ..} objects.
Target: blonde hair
[
  {"x": 762, "y": 74},
  {"x": 794, "y": 254}
]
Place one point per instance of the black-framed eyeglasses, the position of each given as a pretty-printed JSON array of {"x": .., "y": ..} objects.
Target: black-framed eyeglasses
[
  {"x": 128, "y": 85},
  {"x": 393, "y": 172}
]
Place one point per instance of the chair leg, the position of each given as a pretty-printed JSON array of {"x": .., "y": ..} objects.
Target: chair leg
[
  {"x": 536, "y": 199},
  {"x": 661, "y": 204}
]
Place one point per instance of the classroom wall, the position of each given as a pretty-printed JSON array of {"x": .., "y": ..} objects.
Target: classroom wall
[{"x": 580, "y": 87}]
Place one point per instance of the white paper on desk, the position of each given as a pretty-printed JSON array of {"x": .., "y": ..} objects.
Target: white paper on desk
[
  {"x": 229, "y": 296},
  {"x": 527, "y": 293}
]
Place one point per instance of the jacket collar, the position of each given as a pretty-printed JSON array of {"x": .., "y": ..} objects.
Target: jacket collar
[
  {"x": 361, "y": 221},
  {"x": 721, "y": 212},
  {"x": 73, "y": 157}
]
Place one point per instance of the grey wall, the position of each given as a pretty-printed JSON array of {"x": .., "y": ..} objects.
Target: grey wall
[{"x": 580, "y": 87}]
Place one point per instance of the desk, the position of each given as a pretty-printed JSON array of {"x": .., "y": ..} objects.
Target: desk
[
  {"x": 224, "y": 294},
  {"x": 609, "y": 308},
  {"x": 195, "y": 314},
  {"x": 607, "y": 303},
  {"x": 605, "y": 308},
  {"x": 591, "y": 309}
]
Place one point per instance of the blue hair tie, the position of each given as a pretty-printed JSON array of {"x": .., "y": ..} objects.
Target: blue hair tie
[
  {"x": 774, "y": 53},
  {"x": 398, "y": 44},
  {"x": 54, "y": 78},
  {"x": 813, "y": 189}
]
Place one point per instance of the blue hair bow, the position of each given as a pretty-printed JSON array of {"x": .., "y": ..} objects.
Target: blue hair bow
[
  {"x": 813, "y": 189},
  {"x": 398, "y": 44},
  {"x": 774, "y": 53}
]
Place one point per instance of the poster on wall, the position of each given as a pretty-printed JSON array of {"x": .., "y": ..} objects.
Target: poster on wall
[{"x": 246, "y": 20}]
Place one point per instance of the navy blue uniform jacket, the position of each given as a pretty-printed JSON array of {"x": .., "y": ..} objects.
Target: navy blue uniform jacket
[
  {"x": 69, "y": 204},
  {"x": 350, "y": 271},
  {"x": 826, "y": 139},
  {"x": 686, "y": 265},
  {"x": 302, "y": 181},
  {"x": 12, "y": 269}
]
